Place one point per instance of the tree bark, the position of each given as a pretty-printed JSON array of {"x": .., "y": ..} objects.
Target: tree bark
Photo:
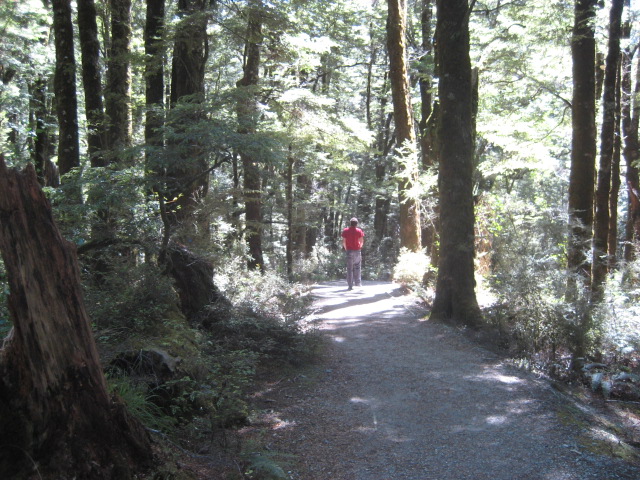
[
  {"x": 607, "y": 140},
  {"x": 65, "y": 88},
  {"x": 630, "y": 121},
  {"x": 289, "y": 200},
  {"x": 427, "y": 120},
  {"x": 92, "y": 81},
  {"x": 615, "y": 176},
  {"x": 583, "y": 148},
  {"x": 154, "y": 75},
  {"x": 118, "y": 94},
  {"x": 428, "y": 129},
  {"x": 43, "y": 148},
  {"x": 455, "y": 298},
  {"x": 200, "y": 300},
  {"x": 55, "y": 408},
  {"x": 247, "y": 110},
  {"x": 187, "y": 176},
  {"x": 403, "y": 118}
]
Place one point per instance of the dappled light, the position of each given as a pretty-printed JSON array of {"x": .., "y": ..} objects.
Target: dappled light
[
  {"x": 403, "y": 398},
  {"x": 320, "y": 239}
]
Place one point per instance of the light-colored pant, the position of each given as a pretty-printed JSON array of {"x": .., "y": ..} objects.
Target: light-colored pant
[{"x": 354, "y": 261}]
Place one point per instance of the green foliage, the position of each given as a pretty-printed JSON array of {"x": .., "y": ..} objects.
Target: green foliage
[
  {"x": 619, "y": 315},
  {"x": 26, "y": 56},
  {"x": 267, "y": 314},
  {"x": 412, "y": 268},
  {"x": 263, "y": 466},
  {"x": 524, "y": 238},
  {"x": 140, "y": 403},
  {"x": 130, "y": 299}
]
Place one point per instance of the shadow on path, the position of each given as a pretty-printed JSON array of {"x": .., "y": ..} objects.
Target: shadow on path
[{"x": 403, "y": 398}]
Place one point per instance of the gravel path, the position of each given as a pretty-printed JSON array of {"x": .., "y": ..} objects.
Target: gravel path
[{"x": 401, "y": 398}]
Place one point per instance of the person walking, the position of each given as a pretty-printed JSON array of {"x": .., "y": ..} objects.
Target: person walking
[{"x": 352, "y": 241}]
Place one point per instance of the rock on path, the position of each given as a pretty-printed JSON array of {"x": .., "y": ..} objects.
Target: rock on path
[{"x": 400, "y": 398}]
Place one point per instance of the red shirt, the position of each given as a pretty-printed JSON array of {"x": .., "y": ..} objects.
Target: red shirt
[{"x": 352, "y": 235}]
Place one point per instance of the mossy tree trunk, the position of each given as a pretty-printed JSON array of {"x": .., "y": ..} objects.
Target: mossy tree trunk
[
  {"x": 582, "y": 174},
  {"x": 607, "y": 142},
  {"x": 630, "y": 120},
  {"x": 56, "y": 413},
  {"x": 583, "y": 146},
  {"x": 92, "y": 81},
  {"x": 403, "y": 118},
  {"x": 118, "y": 91},
  {"x": 455, "y": 298},
  {"x": 247, "y": 110},
  {"x": 65, "y": 88}
]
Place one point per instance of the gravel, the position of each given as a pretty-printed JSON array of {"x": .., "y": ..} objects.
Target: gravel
[{"x": 399, "y": 397}]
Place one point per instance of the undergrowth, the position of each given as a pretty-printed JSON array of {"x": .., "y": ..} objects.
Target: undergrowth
[{"x": 198, "y": 389}]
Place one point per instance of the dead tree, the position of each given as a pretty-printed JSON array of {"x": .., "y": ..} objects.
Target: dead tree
[{"x": 56, "y": 414}]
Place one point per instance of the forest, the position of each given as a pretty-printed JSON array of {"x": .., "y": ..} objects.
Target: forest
[{"x": 175, "y": 175}]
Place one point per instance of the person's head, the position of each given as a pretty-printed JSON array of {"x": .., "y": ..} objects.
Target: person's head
[{"x": 354, "y": 222}]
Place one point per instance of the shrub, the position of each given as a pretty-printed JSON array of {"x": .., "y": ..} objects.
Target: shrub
[
  {"x": 412, "y": 268},
  {"x": 140, "y": 403},
  {"x": 130, "y": 299},
  {"x": 619, "y": 314}
]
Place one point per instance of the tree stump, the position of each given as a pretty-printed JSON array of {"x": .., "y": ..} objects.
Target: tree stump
[
  {"x": 57, "y": 419},
  {"x": 200, "y": 299}
]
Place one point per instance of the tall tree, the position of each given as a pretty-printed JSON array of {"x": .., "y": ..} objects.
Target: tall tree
[
  {"x": 427, "y": 125},
  {"x": 607, "y": 140},
  {"x": 455, "y": 298},
  {"x": 43, "y": 147},
  {"x": 615, "y": 174},
  {"x": 403, "y": 118},
  {"x": 583, "y": 143},
  {"x": 118, "y": 95},
  {"x": 92, "y": 81},
  {"x": 154, "y": 72},
  {"x": 187, "y": 171},
  {"x": 57, "y": 411},
  {"x": 630, "y": 121},
  {"x": 247, "y": 108},
  {"x": 65, "y": 87}
]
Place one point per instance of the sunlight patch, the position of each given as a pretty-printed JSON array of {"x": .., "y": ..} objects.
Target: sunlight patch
[
  {"x": 496, "y": 419},
  {"x": 282, "y": 424}
]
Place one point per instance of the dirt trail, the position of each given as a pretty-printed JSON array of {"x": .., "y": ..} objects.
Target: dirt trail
[{"x": 401, "y": 398}]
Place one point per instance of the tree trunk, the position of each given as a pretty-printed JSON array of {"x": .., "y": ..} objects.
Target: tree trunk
[
  {"x": 427, "y": 123},
  {"x": 55, "y": 408},
  {"x": 65, "y": 88},
  {"x": 118, "y": 95},
  {"x": 289, "y": 200},
  {"x": 630, "y": 121},
  {"x": 583, "y": 148},
  {"x": 43, "y": 148},
  {"x": 428, "y": 128},
  {"x": 247, "y": 109},
  {"x": 455, "y": 298},
  {"x": 615, "y": 176},
  {"x": 154, "y": 75},
  {"x": 187, "y": 176},
  {"x": 582, "y": 174},
  {"x": 403, "y": 117},
  {"x": 607, "y": 140},
  {"x": 200, "y": 300},
  {"x": 383, "y": 145},
  {"x": 92, "y": 81}
]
